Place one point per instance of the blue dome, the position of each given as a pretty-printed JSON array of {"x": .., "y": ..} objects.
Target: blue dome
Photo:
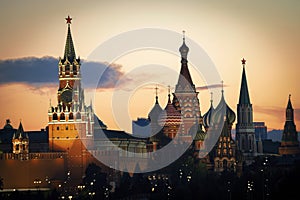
[
  {"x": 223, "y": 111},
  {"x": 207, "y": 116}
]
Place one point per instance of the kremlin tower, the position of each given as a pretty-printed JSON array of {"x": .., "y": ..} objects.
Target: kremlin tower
[
  {"x": 289, "y": 142},
  {"x": 245, "y": 135},
  {"x": 71, "y": 122}
]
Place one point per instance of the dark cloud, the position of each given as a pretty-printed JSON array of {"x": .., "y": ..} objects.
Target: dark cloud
[
  {"x": 29, "y": 70},
  {"x": 37, "y": 71},
  {"x": 206, "y": 87}
]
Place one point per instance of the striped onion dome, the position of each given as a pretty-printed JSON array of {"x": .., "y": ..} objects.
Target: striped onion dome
[{"x": 170, "y": 116}]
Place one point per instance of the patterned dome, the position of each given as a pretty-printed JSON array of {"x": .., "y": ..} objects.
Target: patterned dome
[
  {"x": 170, "y": 116},
  {"x": 221, "y": 110}
]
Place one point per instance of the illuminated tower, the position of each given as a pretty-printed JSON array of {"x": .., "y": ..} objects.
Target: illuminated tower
[
  {"x": 245, "y": 132},
  {"x": 20, "y": 142},
  {"x": 289, "y": 142},
  {"x": 71, "y": 122},
  {"x": 185, "y": 96}
]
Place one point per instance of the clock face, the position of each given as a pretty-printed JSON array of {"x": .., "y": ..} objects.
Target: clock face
[{"x": 66, "y": 96}]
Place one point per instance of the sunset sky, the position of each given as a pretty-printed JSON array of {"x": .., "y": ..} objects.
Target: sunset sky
[{"x": 265, "y": 33}]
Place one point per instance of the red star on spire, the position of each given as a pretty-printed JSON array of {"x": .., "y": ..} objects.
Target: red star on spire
[
  {"x": 243, "y": 61},
  {"x": 69, "y": 19}
]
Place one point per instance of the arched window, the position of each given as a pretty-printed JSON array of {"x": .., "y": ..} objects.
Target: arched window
[
  {"x": 62, "y": 116},
  {"x": 78, "y": 116},
  {"x": 71, "y": 116},
  {"x": 54, "y": 116},
  {"x": 67, "y": 67}
]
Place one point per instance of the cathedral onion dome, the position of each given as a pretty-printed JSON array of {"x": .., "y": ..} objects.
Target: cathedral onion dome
[
  {"x": 155, "y": 111},
  {"x": 207, "y": 116},
  {"x": 170, "y": 116},
  {"x": 184, "y": 49},
  {"x": 222, "y": 109}
]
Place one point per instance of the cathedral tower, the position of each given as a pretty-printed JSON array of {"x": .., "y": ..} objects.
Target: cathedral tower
[
  {"x": 245, "y": 132},
  {"x": 185, "y": 96},
  {"x": 289, "y": 142}
]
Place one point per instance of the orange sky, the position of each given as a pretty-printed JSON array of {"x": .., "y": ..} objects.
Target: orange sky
[{"x": 265, "y": 33}]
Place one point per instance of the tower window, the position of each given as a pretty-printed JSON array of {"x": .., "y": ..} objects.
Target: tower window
[
  {"x": 67, "y": 128},
  {"x": 71, "y": 116},
  {"x": 57, "y": 128},
  {"x": 54, "y": 116},
  {"x": 17, "y": 147},
  {"x": 62, "y": 116}
]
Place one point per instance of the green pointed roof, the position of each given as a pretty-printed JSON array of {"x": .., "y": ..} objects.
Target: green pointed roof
[
  {"x": 69, "y": 47},
  {"x": 244, "y": 93}
]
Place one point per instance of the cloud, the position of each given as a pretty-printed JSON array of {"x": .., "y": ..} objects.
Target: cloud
[
  {"x": 29, "y": 70},
  {"x": 206, "y": 87},
  {"x": 44, "y": 71},
  {"x": 273, "y": 111}
]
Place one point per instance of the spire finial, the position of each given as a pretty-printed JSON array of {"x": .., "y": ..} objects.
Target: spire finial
[
  {"x": 183, "y": 35},
  {"x": 211, "y": 97},
  {"x": 156, "y": 95},
  {"x": 243, "y": 62},
  {"x": 290, "y": 96},
  {"x": 68, "y": 19},
  {"x": 222, "y": 82},
  {"x": 169, "y": 94}
]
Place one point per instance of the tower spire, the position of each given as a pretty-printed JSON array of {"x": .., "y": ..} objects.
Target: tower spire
[
  {"x": 244, "y": 93},
  {"x": 156, "y": 95},
  {"x": 245, "y": 131},
  {"x": 222, "y": 82},
  {"x": 185, "y": 76},
  {"x": 289, "y": 141},
  {"x": 169, "y": 94},
  {"x": 69, "y": 47}
]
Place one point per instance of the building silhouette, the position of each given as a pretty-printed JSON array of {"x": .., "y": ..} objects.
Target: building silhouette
[
  {"x": 245, "y": 132},
  {"x": 289, "y": 142}
]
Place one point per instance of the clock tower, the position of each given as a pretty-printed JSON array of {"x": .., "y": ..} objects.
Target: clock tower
[{"x": 71, "y": 122}]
